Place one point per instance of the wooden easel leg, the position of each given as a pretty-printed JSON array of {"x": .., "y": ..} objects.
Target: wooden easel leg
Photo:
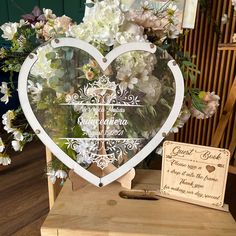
[
  {"x": 53, "y": 189},
  {"x": 125, "y": 180}
]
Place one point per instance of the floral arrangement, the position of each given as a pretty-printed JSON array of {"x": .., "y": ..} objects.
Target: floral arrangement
[{"x": 108, "y": 25}]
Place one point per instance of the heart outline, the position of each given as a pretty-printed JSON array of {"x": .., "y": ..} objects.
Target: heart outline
[{"x": 111, "y": 56}]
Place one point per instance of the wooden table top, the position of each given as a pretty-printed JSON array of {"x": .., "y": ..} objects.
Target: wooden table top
[{"x": 102, "y": 212}]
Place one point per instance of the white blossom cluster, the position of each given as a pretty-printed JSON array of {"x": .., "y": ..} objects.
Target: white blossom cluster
[{"x": 101, "y": 24}]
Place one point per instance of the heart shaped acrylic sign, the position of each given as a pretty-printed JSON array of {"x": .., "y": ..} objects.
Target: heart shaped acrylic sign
[{"x": 102, "y": 111}]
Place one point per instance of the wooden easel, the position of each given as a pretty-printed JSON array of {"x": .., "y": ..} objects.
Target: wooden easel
[
  {"x": 226, "y": 114},
  {"x": 77, "y": 181},
  {"x": 125, "y": 180}
]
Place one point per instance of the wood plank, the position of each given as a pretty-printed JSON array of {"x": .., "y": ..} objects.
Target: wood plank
[
  {"x": 225, "y": 116},
  {"x": 53, "y": 189},
  {"x": 32, "y": 229},
  {"x": 227, "y": 46},
  {"x": 79, "y": 213},
  {"x": 24, "y": 203},
  {"x": 23, "y": 190}
]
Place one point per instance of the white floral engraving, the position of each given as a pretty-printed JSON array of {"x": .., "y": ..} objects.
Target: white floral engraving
[
  {"x": 88, "y": 152},
  {"x": 91, "y": 93}
]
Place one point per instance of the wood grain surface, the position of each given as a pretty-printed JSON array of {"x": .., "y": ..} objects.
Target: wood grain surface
[
  {"x": 23, "y": 192},
  {"x": 101, "y": 211}
]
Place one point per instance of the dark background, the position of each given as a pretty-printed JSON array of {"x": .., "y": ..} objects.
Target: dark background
[{"x": 12, "y": 10}]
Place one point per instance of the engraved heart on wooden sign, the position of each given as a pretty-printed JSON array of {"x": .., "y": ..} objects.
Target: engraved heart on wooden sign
[
  {"x": 210, "y": 168},
  {"x": 90, "y": 109}
]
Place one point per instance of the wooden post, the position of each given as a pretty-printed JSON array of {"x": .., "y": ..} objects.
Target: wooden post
[
  {"x": 53, "y": 189},
  {"x": 226, "y": 114}
]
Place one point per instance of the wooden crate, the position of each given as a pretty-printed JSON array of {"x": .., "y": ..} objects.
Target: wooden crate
[{"x": 101, "y": 211}]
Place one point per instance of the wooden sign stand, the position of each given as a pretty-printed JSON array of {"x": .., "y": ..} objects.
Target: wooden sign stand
[
  {"x": 78, "y": 182},
  {"x": 126, "y": 180},
  {"x": 226, "y": 114}
]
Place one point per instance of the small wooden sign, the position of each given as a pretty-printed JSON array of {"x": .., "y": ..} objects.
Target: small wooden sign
[{"x": 195, "y": 174}]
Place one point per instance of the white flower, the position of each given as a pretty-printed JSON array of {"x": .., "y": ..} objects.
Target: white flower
[
  {"x": 140, "y": 63},
  {"x": 9, "y": 129},
  {"x": 6, "y": 120},
  {"x": 130, "y": 32},
  {"x": 42, "y": 66},
  {"x": 35, "y": 90},
  {"x": 80, "y": 31},
  {"x": 224, "y": 19},
  {"x": 234, "y": 4},
  {"x": 6, "y": 91},
  {"x": 172, "y": 7},
  {"x": 126, "y": 77},
  {"x": 84, "y": 150},
  {"x": 152, "y": 89},
  {"x": 17, "y": 145},
  {"x": 101, "y": 24},
  {"x": 91, "y": 128},
  {"x": 183, "y": 117},
  {"x": 234, "y": 38},
  {"x": 2, "y": 146},
  {"x": 48, "y": 14},
  {"x": 173, "y": 31},
  {"x": 9, "y": 29},
  {"x": 52, "y": 176},
  {"x": 61, "y": 174},
  {"x": 159, "y": 150},
  {"x": 4, "y": 160},
  {"x": 23, "y": 22},
  {"x": 134, "y": 67},
  {"x": 18, "y": 135}
]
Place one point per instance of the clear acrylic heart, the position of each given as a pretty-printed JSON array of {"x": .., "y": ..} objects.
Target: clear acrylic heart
[{"x": 102, "y": 111}]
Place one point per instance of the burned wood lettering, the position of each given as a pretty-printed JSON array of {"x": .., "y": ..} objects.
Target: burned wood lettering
[{"x": 193, "y": 172}]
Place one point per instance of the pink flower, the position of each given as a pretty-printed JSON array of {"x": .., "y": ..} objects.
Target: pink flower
[
  {"x": 59, "y": 26},
  {"x": 212, "y": 102},
  {"x": 48, "y": 31},
  {"x": 147, "y": 19},
  {"x": 62, "y": 23}
]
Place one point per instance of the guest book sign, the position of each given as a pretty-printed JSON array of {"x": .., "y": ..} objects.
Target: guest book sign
[{"x": 195, "y": 174}]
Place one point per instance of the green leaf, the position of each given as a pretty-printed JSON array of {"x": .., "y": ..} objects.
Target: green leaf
[
  {"x": 78, "y": 132},
  {"x": 41, "y": 105},
  {"x": 56, "y": 64},
  {"x": 51, "y": 55},
  {"x": 90, "y": 4},
  {"x": 69, "y": 54},
  {"x": 197, "y": 102},
  {"x": 192, "y": 77},
  {"x": 53, "y": 81},
  {"x": 189, "y": 64}
]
